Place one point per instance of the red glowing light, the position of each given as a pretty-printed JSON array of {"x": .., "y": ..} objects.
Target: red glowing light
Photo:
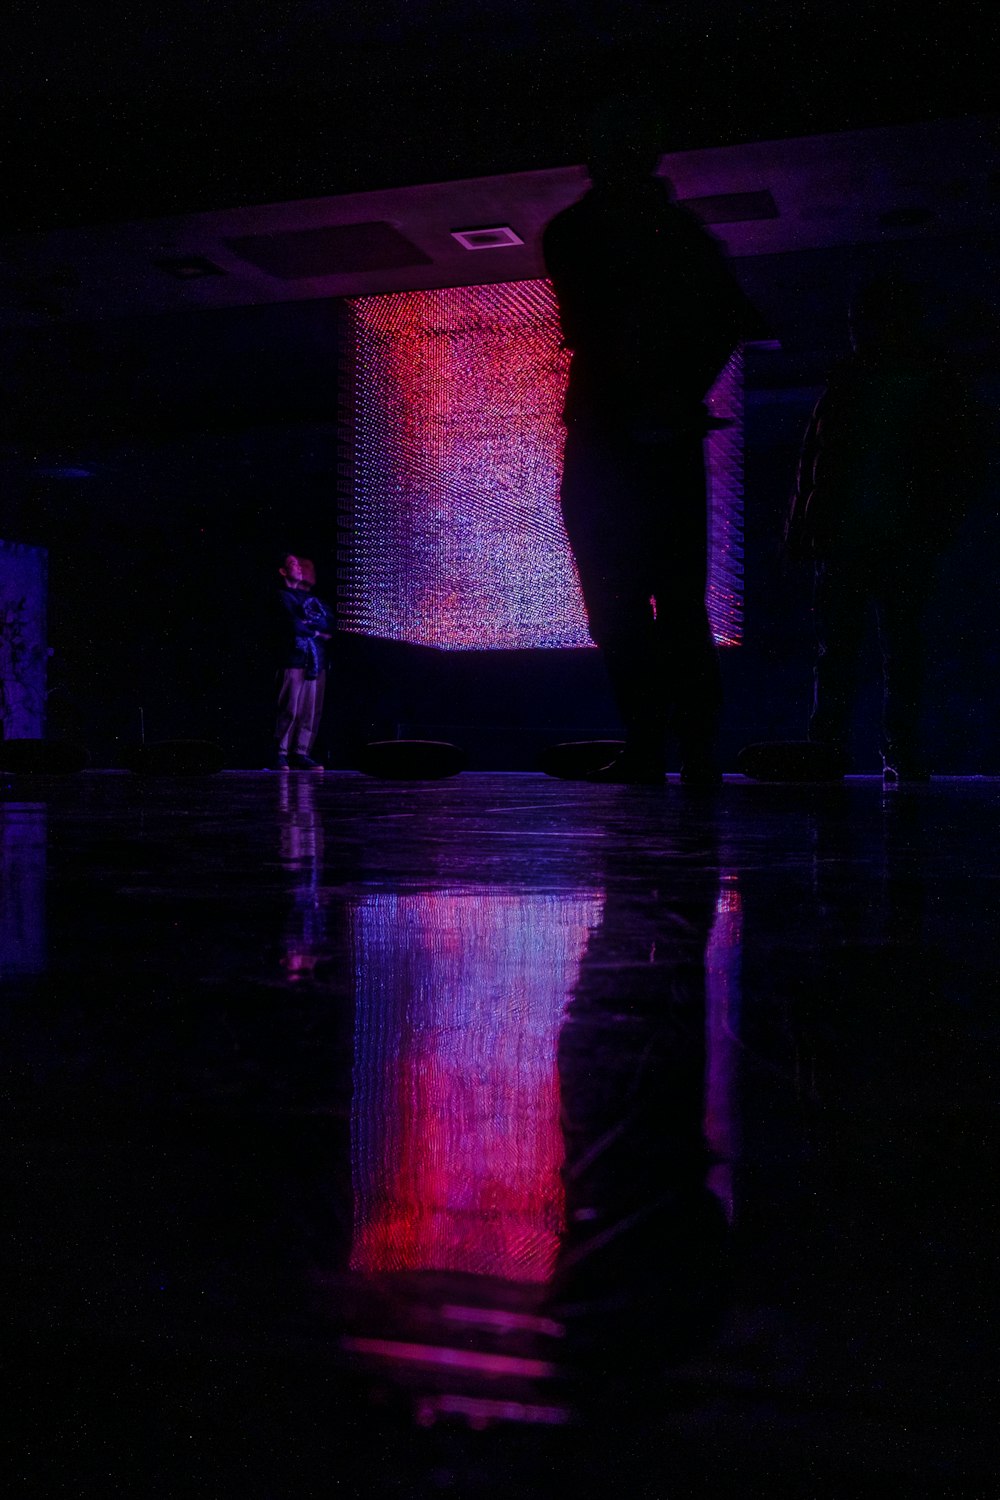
[
  {"x": 457, "y": 538},
  {"x": 456, "y": 1137}
]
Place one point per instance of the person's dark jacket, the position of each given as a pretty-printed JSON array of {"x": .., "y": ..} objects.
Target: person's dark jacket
[
  {"x": 303, "y": 620},
  {"x": 888, "y": 459},
  {"x": 648, "y": 307}
]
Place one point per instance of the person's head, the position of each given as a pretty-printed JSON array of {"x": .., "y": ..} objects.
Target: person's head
[
  {"x": 298, "y": 572},
  {"x": 885, "y": 313}
]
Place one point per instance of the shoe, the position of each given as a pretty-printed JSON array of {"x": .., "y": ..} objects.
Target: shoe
[
  {"x": 628, "y": 769},
  {"x": 281, "y": 761},
  {"x": 896, "y": 768},
  {"x": 304, "y": 763}
]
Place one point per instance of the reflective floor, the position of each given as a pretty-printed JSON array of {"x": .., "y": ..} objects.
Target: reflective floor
[{"x": 498, "y": 1136}]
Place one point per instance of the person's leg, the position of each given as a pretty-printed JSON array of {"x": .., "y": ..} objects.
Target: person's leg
[
  {"x": 602, "y": 502},
  {"x": 286, "y": 726},
  {"x": 900, "y": 602},
  {"x": 308, "y": 709},
  {"x": 688, "y": 661},
  {"x": 310, "y": 713},
  {"x": 840, "y": 606}
]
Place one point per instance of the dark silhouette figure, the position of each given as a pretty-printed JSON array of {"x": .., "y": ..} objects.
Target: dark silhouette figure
[
  {"x": 883, "y": 484},
  {"x": 651, "y": 314},
  {"x": 641, "y": 1280}
]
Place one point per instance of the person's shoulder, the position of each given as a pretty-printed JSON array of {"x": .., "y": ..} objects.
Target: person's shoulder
[{"x": 684, "y": 224}]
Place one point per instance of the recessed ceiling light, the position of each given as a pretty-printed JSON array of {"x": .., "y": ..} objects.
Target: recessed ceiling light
[{"x": 493, "y": 237}]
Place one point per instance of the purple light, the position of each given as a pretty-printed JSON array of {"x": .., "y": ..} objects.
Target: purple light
[
  {"x": 455, "y": 1130},
  {"x": 723, "y": 985},
  {"x": 456, "y": 535},
  {"x": 453, "y": 1359}
]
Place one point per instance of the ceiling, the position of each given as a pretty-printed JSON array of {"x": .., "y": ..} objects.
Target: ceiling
[
  {"x": 124, "y": 109},
  {"x": 928, "y": 180}
]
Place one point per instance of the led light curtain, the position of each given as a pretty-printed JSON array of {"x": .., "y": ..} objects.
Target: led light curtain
[
  {"x": 453, "y": 536},
  {"x": 456, "y": 1142}
]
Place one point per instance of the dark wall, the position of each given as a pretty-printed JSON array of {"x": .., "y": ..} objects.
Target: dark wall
[
  {"x": 164, "y": 462},
  {"x": 262, "y": 102},
  {"x": 209, "y": 442},
  {"x": 770, "y": 684},
  {"x": 161, "y": 563}
]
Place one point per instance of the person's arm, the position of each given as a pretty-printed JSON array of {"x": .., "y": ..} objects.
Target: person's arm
[
  {"x": 728, "y": 316},
  {"x": 290, "y": 609},
  {"x": 291, "y": 627},
  {"x": 797, "y": 541},
  {"x": 318, "y": 619}
]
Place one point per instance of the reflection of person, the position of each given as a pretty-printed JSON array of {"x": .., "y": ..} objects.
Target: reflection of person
[
  {"x": 651, "y": 315},
  {"x": 306, "y": 630},
  {"x": 301, "y": 854},
  {"x": 882, "y": 487},
  {"x": 640, "y": 1265}
]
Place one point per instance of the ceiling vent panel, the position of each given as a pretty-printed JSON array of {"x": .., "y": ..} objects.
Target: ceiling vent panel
[
  {"x": 490, "y": 237},
  {"x": 333, "y": 250}
]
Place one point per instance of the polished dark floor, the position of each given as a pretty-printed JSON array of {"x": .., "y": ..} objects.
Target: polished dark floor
[{"x": 498, "y": 1136}]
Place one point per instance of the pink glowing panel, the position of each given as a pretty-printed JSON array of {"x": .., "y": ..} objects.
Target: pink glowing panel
[
  {"x": 456, "y": 538},
  {"x": 455, "y": 1135}
]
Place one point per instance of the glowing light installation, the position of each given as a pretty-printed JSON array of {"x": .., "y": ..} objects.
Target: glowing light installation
[
  {"x": 455, "y": 1135},
  {"x": 456, "y": 539},
  {"x": 724, "y": 463}
]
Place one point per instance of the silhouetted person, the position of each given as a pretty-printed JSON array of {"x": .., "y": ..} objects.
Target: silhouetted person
[
  {"x": 306, "y": 627},
  {"x": 639, "y": 1280},
  {"x": 883, "y": 483},
  {"x": 651, "y": 315}
]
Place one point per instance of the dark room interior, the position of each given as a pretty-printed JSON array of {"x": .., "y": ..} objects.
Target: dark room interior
[{"x": 449, "y": 1122}]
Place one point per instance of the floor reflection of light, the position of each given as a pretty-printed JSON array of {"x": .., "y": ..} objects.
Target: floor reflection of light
[
  {"x": 722, "y": 995},
  {"x": 456, "y": 1139},
  {"x": 480, "y": 1412},
  {"x": 22, "y": 888},
  {"x": 453, "y": 1359},
  {"x": 301, "y": 854}
]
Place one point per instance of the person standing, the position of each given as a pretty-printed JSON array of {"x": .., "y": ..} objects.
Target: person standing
[
  {"x": 884, "y": 478},
  {"x": 306, "y": 628},
  {"x": 651, "y": 315}
]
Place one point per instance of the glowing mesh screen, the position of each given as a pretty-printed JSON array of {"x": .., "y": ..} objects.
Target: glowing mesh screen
[
  {"x": 456, "y": 443},
  {"x": 456, "y": 1142}
]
